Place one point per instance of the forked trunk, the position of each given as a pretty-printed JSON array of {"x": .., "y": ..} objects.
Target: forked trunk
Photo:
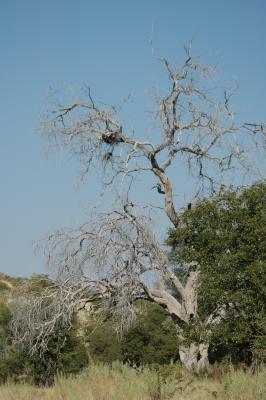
[{"x": 195, "y": 356}]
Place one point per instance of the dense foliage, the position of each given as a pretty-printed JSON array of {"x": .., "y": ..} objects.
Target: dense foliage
[
  {"x": 150, "y": 340},
  {"x": 226, "y": 236}
]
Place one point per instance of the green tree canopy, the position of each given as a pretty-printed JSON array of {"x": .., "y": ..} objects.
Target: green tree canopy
[{"x": 226, "y": 236}]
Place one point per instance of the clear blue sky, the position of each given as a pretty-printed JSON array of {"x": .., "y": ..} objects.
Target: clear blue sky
[{"x": 104, "y": 44}]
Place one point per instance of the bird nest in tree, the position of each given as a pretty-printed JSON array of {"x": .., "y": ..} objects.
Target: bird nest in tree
[{"x": 112, "y": 138}]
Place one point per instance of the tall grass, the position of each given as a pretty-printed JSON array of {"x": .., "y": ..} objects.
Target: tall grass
[{"x": 120, "y": 382}]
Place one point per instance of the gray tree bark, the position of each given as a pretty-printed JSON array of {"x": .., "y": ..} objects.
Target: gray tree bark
[{"x": 194, "y": 356}]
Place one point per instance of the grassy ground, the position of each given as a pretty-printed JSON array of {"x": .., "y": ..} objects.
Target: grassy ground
[{"x": 120, "y": 382}]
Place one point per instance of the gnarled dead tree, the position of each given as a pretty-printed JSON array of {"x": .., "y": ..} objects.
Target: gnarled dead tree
[{"x": 113, "y": 256}]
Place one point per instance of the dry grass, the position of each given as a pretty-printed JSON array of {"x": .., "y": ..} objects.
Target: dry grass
[{"x": 120, "y": 382}]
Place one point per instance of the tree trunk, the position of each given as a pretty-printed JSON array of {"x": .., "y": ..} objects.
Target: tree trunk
[{"x": 195, "y": 356}]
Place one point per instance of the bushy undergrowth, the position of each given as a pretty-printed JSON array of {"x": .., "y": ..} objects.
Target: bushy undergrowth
[{"x": 120, "y": 382}]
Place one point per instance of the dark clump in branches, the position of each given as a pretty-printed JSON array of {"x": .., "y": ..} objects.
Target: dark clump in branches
[{"x": 112, "y": 138}]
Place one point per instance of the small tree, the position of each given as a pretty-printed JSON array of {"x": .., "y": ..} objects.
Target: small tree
[{"x": 112, "y": 255}]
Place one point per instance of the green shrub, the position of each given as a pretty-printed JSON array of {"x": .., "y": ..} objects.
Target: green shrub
[{"x": 150, "y": 340}]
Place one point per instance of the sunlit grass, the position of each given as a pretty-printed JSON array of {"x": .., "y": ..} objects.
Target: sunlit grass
[{"x": 120, "y": 382}]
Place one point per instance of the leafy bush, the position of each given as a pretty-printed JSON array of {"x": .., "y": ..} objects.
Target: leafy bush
[
  {"x": 150, "y": 340},
  {"x": 66, "y": 354},
  {"x": 3, "y": 286}
]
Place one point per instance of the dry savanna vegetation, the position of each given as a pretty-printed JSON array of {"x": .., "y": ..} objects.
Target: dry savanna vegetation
[
  {"x": 119, "y": 382},
  {"x": 188, "y": 305}
]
